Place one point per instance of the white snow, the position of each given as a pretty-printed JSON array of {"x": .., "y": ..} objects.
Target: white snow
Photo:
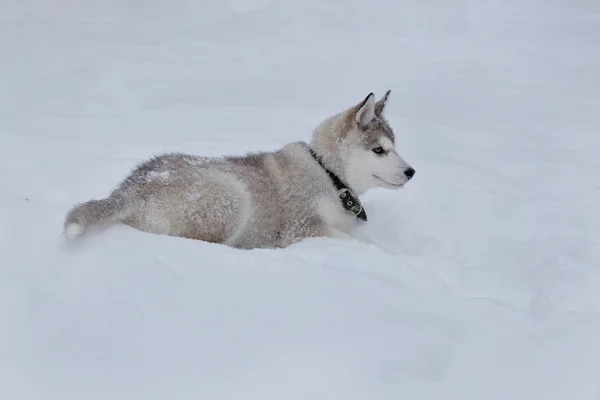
[{"x": 485, "y": 281}]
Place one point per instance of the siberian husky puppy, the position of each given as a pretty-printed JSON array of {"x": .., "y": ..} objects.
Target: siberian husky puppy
[{"x": 260, "y": 200}]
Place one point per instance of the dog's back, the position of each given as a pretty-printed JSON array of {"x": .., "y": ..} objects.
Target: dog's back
[{"x": 256, "y": 200}]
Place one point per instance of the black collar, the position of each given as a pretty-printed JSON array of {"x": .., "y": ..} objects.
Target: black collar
[{"x": 349, "y": 200}]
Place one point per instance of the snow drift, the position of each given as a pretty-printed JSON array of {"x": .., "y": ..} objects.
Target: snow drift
[{"x": 486, "y": 283}]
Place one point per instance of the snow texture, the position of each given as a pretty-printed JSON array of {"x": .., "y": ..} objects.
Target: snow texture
[{"x": 485, "y": 283}]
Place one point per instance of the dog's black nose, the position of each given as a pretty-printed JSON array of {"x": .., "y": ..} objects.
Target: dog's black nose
[{"x": 409, "y": 172}]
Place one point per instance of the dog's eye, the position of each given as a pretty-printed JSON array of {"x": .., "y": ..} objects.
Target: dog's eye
[{"x": 378, "y": 150}]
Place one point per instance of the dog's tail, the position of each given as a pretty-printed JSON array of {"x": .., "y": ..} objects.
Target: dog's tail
[{"x": 93, "y": 213}]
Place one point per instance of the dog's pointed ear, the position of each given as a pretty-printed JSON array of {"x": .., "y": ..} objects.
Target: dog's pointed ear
[
  {"x": 380, "y": 105},
  {"x": 365, "y": 111}
]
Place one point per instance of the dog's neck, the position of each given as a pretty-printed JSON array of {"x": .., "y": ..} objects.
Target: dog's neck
[
  {"x": 321, "y": 144},
  {"x": 331, "y": 162},
  {"x": 348, "y": 198},
  {"x": 326, "y": 143}
]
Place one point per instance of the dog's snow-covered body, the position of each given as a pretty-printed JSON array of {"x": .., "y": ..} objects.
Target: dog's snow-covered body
[{"x": 269, "y": 199}]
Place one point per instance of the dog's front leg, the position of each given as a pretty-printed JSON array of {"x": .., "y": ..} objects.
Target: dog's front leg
[{"x": 335, "y": 233}]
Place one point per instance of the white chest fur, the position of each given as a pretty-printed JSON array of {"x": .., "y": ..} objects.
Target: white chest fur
[{"x": 333, "y": 213}]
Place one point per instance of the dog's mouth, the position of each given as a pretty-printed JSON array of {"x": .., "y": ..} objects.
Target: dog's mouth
[{"x": 389, "y": 184}]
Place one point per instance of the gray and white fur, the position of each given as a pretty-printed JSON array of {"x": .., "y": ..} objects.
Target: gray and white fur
[{"x": 260, "y": 200}]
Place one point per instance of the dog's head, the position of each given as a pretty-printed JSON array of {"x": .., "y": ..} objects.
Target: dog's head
[{"x": 360, "y": 145}]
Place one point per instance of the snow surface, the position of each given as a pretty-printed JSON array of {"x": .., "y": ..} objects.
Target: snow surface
[{"x": 487, "y": 282}]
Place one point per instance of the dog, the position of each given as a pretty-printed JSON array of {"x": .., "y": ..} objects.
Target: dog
[{"x": 264, "y": 199}]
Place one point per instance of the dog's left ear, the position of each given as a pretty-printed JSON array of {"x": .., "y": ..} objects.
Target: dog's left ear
[
  {"x": 380, "y": 105},
  {"x": 365, "y": 111}
]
